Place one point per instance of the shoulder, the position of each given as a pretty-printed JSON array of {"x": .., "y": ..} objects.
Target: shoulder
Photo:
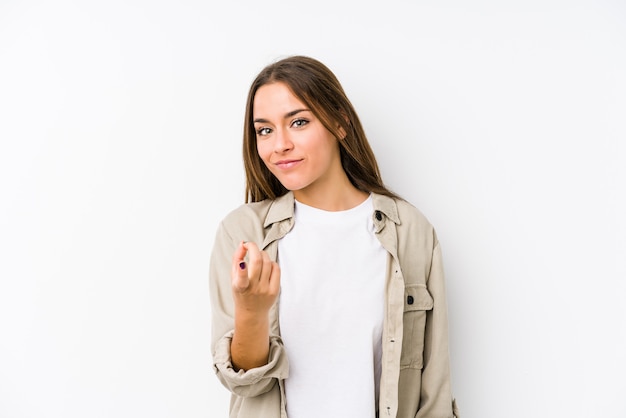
[
  {"x": 409, "y": 213},
  {"x": 402, "y": 212},
  {"x": 413, "y": 227},
  {"x": 251, "y": 219},
  {"x": 414, "y": 222},
  {"x": 247, "y": 216}
]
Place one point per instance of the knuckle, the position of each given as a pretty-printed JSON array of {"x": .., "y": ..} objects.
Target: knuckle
[{"x": 256, "y": 262}]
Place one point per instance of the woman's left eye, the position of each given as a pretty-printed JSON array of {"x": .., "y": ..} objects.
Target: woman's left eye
[{"x": 299, "y": 122}]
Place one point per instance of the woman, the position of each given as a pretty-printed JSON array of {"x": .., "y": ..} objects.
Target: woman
[{"x": 360, "y": 328}]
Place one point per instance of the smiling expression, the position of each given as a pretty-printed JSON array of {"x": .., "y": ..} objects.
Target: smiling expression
[{"x": 294, "y": 144}]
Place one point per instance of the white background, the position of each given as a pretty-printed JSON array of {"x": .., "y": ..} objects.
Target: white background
[{"x": 120, "y": 130}]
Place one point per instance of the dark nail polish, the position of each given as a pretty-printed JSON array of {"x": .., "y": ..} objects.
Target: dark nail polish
[{"x": 242, "y": 265}]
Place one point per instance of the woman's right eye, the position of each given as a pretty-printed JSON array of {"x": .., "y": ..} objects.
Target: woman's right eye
[{"x": 263, "y": 131}]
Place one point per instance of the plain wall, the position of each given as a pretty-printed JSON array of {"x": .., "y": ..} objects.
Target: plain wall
[{"x": 120, "y": 132}]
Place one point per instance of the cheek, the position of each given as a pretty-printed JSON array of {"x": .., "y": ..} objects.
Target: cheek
[
  {"x": 260, "y": 149},
  {"x": 264, "y": 151}
]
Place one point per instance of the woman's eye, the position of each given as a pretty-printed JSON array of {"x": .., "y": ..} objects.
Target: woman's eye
[
  {"x": 263, "y": 131},
  {"x": 299, "y": 123}
]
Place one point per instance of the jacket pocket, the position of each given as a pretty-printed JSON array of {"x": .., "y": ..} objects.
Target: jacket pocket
[{"x": 417, "y": 302}]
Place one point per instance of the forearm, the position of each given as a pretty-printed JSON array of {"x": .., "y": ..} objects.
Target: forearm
[{"x": 250, "y": 344}]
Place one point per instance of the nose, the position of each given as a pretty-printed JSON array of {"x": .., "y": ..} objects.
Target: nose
[{"x": 282, "y": 142}]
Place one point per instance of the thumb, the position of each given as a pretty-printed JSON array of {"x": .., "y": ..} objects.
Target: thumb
[{"x": 240, "y": 280}]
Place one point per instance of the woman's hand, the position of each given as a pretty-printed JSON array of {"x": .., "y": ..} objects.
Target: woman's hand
[
  {"x": 255, "y": 284},
  {"x": 255, "y": 287}
]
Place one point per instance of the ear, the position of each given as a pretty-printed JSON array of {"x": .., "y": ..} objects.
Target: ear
[{"x": 342, "y": 132}]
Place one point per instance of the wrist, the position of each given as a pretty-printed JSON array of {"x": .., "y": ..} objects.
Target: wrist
[{"x": 251, "y": 318}]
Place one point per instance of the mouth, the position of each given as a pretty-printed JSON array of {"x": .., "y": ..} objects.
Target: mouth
[{"x": 287, "y": 164}]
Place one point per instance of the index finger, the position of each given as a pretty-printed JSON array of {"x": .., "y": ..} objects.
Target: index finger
[{"x": 254, "y": 253}]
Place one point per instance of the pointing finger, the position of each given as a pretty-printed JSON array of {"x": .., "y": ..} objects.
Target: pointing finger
[{"x": 255, "y": 260}]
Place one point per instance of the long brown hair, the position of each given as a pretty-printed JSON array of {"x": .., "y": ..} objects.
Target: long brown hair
[{"x": 318, "y": 88}]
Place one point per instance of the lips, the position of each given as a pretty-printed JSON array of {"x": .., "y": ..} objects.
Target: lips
[{"x": 287, "y": 164}]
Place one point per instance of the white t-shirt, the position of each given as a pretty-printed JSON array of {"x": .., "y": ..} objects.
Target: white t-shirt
[{"x": 331, "y": 312}]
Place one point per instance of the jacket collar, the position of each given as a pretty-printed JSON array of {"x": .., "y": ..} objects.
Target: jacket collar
[
  {"x": 283, "y": 208},
  {"x": 387, "y": 205}
]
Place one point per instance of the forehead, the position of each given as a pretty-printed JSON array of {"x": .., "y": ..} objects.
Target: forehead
[{"x": 275, "y": 99}]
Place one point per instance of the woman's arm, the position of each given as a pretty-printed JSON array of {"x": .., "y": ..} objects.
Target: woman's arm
[
  {"x": 436, "y": 396},
  {"x": 255, "y": 286},
  {"x": 239, "y": 380}
]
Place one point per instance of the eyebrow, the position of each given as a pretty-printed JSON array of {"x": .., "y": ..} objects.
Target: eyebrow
[{"x": 287, "y": 115}]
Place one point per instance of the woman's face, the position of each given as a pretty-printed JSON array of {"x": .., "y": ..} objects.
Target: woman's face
[{"x": 294, "y": 145}]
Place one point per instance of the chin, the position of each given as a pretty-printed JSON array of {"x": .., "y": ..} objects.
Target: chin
[
  {"x": 292, "y": 185},
  {"x": 292, "y": 188}
]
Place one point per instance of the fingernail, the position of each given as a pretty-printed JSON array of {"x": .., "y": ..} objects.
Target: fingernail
[{"x": 242, "y": 265}]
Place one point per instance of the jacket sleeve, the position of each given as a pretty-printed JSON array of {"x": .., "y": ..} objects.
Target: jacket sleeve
[
  {"x": 436, "y": 398},
  {"x": 248, "y": 383}
]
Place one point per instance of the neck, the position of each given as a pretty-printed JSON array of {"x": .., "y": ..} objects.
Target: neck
[{"x": 341, "y": 195}]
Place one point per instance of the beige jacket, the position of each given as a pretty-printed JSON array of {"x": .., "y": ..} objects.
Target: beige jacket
[{"x": 415, "y": 379}]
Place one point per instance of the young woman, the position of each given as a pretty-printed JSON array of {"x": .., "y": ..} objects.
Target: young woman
[{"x": 360, "y": 327}]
